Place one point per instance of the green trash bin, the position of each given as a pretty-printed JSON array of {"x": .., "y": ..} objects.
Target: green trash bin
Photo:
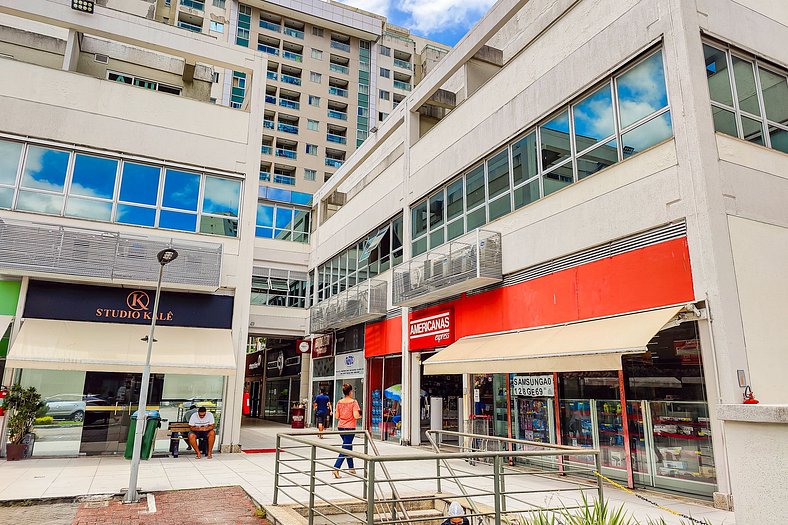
[{"x": 152, "y": 423}]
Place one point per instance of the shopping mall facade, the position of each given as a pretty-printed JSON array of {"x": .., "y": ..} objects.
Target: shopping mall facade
[{"x": 568, "y": 234}]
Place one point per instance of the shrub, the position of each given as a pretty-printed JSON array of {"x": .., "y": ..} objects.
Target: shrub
[{"x": 46, "y": 420}]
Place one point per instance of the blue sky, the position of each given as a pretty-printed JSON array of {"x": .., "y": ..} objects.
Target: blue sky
[{"x": 444, "y": 21}]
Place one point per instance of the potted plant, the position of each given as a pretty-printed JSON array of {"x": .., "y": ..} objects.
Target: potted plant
[{"x": 24, "y": 405}]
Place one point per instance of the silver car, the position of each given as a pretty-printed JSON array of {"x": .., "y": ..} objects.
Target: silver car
[{"x": 71, "y": 406}]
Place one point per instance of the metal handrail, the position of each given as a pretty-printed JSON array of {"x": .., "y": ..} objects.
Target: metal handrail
[{"x": 373, "y": 498}]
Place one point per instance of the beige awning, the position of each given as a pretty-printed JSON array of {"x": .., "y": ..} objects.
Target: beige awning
[
  {"x": 5, "y": 320},
  {"x": 582, "y": 346},
  {"x": 110, "y": 347}
]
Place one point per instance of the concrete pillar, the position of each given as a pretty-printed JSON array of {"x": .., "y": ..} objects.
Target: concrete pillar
[{"x": 71, "y": 56}]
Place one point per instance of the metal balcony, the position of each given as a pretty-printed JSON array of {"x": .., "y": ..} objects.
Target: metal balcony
[
  {"x": 265, "y": 24},
  {"x": 268, "y": 49},
  {"x": 295, "y": 33},
  {"x": 463, "y": 264},
  {"x": 358, "y": 304}
]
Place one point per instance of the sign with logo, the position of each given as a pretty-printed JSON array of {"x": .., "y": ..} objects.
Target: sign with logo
[
  {"x": 533, "y": 386},
  {"x": 322, "y": 346},
  {"x": 283, "y": 360},
  {"x": 431, "y": 331},
  {"x": 103, "y": 304},
  {"x": 254, "y": 364},
  {"x": 304, "y": 346},
  {"x": 349, "y": 365}
]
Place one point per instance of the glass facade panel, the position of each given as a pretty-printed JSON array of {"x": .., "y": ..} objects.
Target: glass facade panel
[
  {"x": 172, "y": 220},
  {"x": 745, "y": 86},
  {"x": 139, "y": 183},
  {"x": 6, "y": 197},
  {"x": 558, "y": 179},
  {"x": 526, "y": 194},
  {"x": 778, "y": 137},
  {"x": 136, "y": 215},
  {"x": 500, "y": 207},
  {"x": 597, "y": 159},
  {"x": 555, "y": 141},
  {"x": 39, "y": 202},
  {"x": 717, "y": 75},
  {"x": 419, "y": 220},
  {"x": 181, "y": 190},
  {"x": 436, "y": 210},
  {"x": 10, "y": 154},
  {"x": 753, "y": 130},
  {"x": 474, "y": 187},
  {"x": 477, "y": 218},
  {"x": 94, "y": 176},
  {"x": 498, "y": 174},
  {"x": 641, "y": 90},
  {"x": 89, "y": 209},
  {"x": 221, "y": 196},
  {"x": 775, "y": 96},
  {"x": 647, "y": 134},
  {"x": 455, "y": 229},
  {"x": 524, "y": 159},
  {"x": 45, "y": 169},
  {"x": 454, "y": 203},
  {"x": 724, "y": 121},
  {"x": 593, "y": 118}
]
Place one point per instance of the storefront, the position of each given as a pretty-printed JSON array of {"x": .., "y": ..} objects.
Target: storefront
[
  {"x": 282, "y": 384},
  {"x": 322, "y": 371},
  {"x": 253, "y": 384},
  {"x": 9, "y": 298},
  {"x": 84, "y": 348}
]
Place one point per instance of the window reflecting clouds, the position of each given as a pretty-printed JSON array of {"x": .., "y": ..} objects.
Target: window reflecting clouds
[
  {"x": 555, "y": 141},
  {"x": 641, "y": 90},
  {"x": 139, "y": 183},
  {"x": 181, "y": 190},
  {"x": 10, "y": 155},
  {"x": 94, "y": 176},
  {"x": 282, "y": 222},
  {"x": 647, "y": 134},
  {"x": 593, "y": 118},
  {"x": 45, "y": 169}
]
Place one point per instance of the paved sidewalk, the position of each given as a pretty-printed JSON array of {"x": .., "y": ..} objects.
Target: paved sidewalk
[{"x": 45, "y": 478}]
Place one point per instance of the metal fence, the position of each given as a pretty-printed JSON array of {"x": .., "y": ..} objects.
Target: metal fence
[
  {"x": 497, "y": 487},
  {"x": 359, "y": 303}
]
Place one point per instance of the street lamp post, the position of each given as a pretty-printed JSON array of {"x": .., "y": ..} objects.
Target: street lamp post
[{"x": 164, "y": 257}]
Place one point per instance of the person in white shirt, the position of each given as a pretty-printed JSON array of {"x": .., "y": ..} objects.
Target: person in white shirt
[{"x": 201, "y": 425}]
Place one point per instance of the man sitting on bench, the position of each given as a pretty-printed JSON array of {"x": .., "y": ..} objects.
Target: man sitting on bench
[{"x": 201, "y": 425}]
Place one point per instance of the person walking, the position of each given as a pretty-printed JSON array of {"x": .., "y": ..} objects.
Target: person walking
[
  {"x": 348, "y": 412},
  {"x": 323, "y": 409}
]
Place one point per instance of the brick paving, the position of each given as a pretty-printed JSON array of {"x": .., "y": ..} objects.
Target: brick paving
[{"x": 225, "y": 505}]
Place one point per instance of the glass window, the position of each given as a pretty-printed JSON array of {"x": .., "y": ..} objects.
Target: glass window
[
  {"x": 724, "y": 121},
  {"x": 6, "y": 197},
  {"x": 641, "y": 90},
  {"x": 317, "y": 54},
  {"x": 593, "y": 118},
  {"x": 753, "y": 130},
  {"x": 135, "y": 215},
  {"x": 315, "y": 77},
  {"x": 555, "y": 141},
  {"x": 313, "y": 125},
  {"x": 181, "y": 190},
  {"x": 265, "y": 221},
  {"x": 10, "y": 153},
  {"x": 139, "y": 183},
  {"x": 500, "y": 207},
  {"x": 419, "y": 219},
  {"x": 526, "y": 194},
  {"x": 45, "y": 169},
  {"x": 455, "y": 229},
  {"x": 454, "y": 200},
  {"x": 94, "y": 176},
  {"x": 597, "y": 159},
  {"x": 419, "y": 247},
  {"x": 524, "y": 159},
  {"x": 474, "y": 188},
  {"x": 173, "y": 220},
  {"x": 745, "y": 86},
  {"x": 775, "y": 96},
  {"x": 436, "y": 210},
  {"x": 39, "y": 202},
  {"x": 717, "y": 75},
  {"x": 89, "y": 209},
  {"x": 779, "y": 138},
  {"x": 221, "y": 196},
  {"x": 647, "y": 134},
  {"x": 498, "y": 174},
  {"x": 314, "y": 101},
  {"x": 284, "y": 219},
  {"x": 558, "y": 179},
  {"x": 477, "y": 218}
]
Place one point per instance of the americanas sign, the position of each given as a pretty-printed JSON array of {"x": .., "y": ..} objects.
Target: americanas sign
[
  {"x": 432, "y": 331},
  {"x": 533, "y": 386}
]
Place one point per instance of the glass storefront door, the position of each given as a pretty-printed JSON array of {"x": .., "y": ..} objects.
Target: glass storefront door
[
  {"x": 449, "y": 389},
  {"x": 58, "y": 428},
  {"x": 255, "y": 393},
  {"x": 277, "y": 399},
  {"x": 358, "y": 394},
  {"x": 385, "y": 403}
]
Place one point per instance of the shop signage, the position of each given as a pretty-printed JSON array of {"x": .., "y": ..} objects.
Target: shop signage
[
  {"x": 103, "y": 304},
  {"x": 349, "y": 365},
  {"x": 431, "y": 331},
  {"x": 254, "y": 364},
  {"x": 322, "y": 346},
  {"x": 304, "y": 346},
  {"x": 284, "y": 362},
  {"x": 533, "y": 386}
]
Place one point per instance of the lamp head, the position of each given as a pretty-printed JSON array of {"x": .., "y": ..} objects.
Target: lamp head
[{"x": 166, "y": 256}]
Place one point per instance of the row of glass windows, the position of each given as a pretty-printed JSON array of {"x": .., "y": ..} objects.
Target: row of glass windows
[
  {"x": 272, "y": 287},
  {"x": 748, "y": 100},
  {"x": 287, "y": 223},
  {"x": 625, "y": 115},
  {"x": 55, "y": 181},
  {"x": 376, "y": 253}
]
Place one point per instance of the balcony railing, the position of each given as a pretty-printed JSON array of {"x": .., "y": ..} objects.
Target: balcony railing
[
  {"x": 270, "y": 99},
  {"x": 334, "y": 163},
  {"x": 265, "y": 176},
  {"x": 463, "y": 264},
  {"x": 288, "y": 128},
  {"x": 337, "y": 91},
  {"x": 191, "y": 27},
  {"x": 287, "y": 79},
  {"x": 266, "y": 150},
  {"x": 339, "y": 69},
  {"x": 284, "y": 179},
  {"x": 271, "y": 75},
  {"x": 341, "y": 46},
  {"x": 341, "y": 115},
  {"x": 404, "y": 64},
  {"x": 268, "y": 124},
  {"x": 199, "y": 5},
  {"x": 402, "y": 85},
  {"x": 292, "y": 56},
  {"x": 285, "y": 103},
  {"x": 295, "y": 33},
  {"x": 268, "y": 49},
  {"x": 265, "y": 24},
  {"x": 339, "y": 139},
  {"x": 358, "y": 304},
  {"x": 286, "y": 153}
]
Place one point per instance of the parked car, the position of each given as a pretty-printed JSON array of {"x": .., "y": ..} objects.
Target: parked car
[{"x": 71, "y": 406}]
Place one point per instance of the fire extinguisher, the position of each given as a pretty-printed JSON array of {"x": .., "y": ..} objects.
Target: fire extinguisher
[
  {"x": 3, "y": 395},
  {"x": 247, "y": 407},
  {"x": 749, "y": 397}
]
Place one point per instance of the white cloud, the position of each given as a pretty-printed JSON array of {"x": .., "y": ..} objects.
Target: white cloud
[{"x": 429, "y": 16}]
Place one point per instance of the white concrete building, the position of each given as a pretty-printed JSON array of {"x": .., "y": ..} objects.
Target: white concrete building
[{"x": 609, "y": 177}]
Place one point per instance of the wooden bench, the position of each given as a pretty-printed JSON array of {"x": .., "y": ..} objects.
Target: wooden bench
[{"x": 180, "y": 431}]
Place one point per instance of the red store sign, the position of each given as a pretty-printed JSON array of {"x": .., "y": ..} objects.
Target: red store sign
[{"x": 431, "y": 331}]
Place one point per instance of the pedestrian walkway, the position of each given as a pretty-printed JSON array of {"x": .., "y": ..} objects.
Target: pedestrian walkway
[{"x": 50, "y": 478}]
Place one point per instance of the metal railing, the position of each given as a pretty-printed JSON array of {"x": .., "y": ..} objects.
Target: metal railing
[
  {"x": 341, "y": 46},
  {"x": 363, "y": 302},
  {"x": 338, "y": 68},
  {"x": 404, "y": 64},
  {"x": 341, "y": 115},
  {"x": 289, "y": 79},
  {"x": 498, "y": 486},
  {"x": 340, "y": 92},
  {"x": 265, "y": 24},
  {"x": 295, "y": 33},
  {"x": 268, "y": 49},
  {"x": 292, "y": 56},
  {"x": 402, "y": 85}
]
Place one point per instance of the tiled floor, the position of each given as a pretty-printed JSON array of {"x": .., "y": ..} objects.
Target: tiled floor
[{"x": 43, "y": 478}]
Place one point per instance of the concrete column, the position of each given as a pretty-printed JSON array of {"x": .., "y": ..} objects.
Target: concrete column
[
  {"x": 231, "y": 434},
  {"x": 71, "y": 56}
]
